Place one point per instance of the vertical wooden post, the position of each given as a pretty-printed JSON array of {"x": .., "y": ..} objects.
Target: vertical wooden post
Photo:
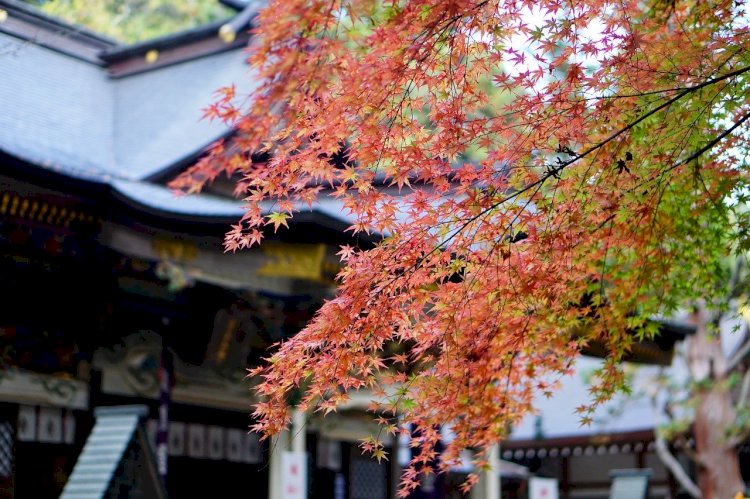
[
  {"x": 279, "y": 444},
  {"x": 298, "y": 429},
  {"x": 488, "y": 486}
]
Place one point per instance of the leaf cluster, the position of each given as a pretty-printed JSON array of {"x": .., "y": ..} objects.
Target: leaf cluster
[{"x": 617, "y": 152}]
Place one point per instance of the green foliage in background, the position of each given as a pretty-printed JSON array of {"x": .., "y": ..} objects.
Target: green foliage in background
[{"x": 131, "y": 21}]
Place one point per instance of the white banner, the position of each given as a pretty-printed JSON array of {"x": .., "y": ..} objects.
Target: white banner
[
  {"x": 215, "y": 442},
  {"x": 176, "y": 438},
  {"x": 251, "y": 450},
  {"x": 294, "y": 475},
  {"x": 543, "y": 488},
  {"x": 196, "y": 440},
  {"x": 50, "y": 425},
  {"x": 234, "y": 445},
  {"x": 26, "y": 423}
]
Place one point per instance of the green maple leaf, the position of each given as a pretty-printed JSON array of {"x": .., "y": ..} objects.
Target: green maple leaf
[{"x": 278, "y": 219}]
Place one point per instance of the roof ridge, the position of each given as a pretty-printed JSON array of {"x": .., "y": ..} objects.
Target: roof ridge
[
  {"x": 85, "y": 44},
  {"x": 124, "y": 51},
  {"x": 31, "y": 14}
]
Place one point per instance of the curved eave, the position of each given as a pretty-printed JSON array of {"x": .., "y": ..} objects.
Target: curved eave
[
  {"x": 157, "y": 206},
  {"x": 32, "y": 25},
  {"x": 51, "y": 176},
  {"x": 169, "y": 172},
  {"x": 171, "y": 50},
  {"x": 676, "y": 330},
  {"x": 595, "y": 444},
  {"x": 120, "y": 53},
  {"x": 187, "y": 45}
]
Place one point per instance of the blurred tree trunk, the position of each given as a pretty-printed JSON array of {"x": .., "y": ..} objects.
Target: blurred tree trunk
[{"x": 718, "y": 462}]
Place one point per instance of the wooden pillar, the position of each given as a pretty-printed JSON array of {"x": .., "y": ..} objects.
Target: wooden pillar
[
  {"x": 489, "y": 481},
  {"x": 395, "y": 467},
  {"x": 293, "y": 439},
  {"x": 640, "y": 458},
  {"x": 493, "y": 476},
  {"x": 299, "y": 429},
  {"x": 279, "y": 444}
]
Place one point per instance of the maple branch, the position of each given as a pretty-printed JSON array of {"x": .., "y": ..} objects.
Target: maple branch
[
  {"x": 735, "y": 284},
  {"x": 653, "y": 92},
  {"x": 710, "y": 144},
  {"x": 555, "y": 171},
  {"x": 740, "y": 354},
  {"x": 744, "y": 391},
  {"x": 669, "y": 460},
  {"x": 688, "y": 451},
  {"x": 640, "y": 119},
  {"x": 674, "y": 466}
]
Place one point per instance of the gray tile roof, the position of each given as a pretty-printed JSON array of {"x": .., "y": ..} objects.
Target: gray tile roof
[
  {"x": 65, "y": 114},
  {"x": 163, "y": 199},
  {"x": 57, "y": 110},
  {"x": 157, "y": 116}
]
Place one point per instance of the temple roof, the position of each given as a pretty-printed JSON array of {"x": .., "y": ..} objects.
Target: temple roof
[{"x": 81, "y": 105}]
